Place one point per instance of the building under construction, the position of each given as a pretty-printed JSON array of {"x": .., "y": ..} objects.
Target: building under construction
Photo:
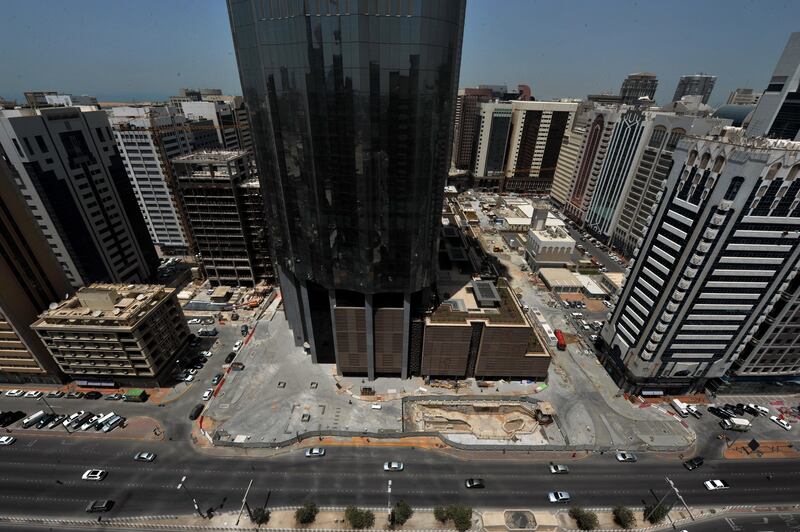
[{"x": 226, "y": 214}]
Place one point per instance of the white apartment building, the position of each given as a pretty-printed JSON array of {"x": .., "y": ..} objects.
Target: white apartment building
[
  {"x": 722, "y": 246},
  {"x": 221, "y": 115},
  {"x": 148, "y": 138}
]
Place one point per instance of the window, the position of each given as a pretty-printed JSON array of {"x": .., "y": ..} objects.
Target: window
[
  {"x": 42, "y": 145},
  {"x": 27, "y": 145}
]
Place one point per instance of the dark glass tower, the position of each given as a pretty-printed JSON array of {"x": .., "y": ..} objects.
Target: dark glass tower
[{"x": 351, "y": 104}]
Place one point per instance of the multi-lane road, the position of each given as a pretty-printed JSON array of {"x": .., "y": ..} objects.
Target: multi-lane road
[{"x": 42, "y": 477}]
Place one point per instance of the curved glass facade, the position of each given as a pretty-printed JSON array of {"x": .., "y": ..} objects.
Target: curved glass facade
[{"x": 351, "y": 105}]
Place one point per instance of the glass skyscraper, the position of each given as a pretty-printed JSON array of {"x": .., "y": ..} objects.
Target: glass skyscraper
[{"x": 351, "y": 103}]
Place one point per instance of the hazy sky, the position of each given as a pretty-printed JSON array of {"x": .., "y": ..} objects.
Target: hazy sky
[{"x": 125, "y": 49}]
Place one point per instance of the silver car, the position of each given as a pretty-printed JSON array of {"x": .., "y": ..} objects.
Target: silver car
[
  {"x": 393, "y": 466},
  {"x": 558, "y": 496}
]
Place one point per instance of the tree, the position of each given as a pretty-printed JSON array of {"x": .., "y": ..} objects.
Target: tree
[
  {"x": 402, "y": 512},
  {"x": 359, "y": 518},
  {"x": 657, "y": 513},
  {"x": 624, "y": 517},
  {"x": 585, "y": 519},
  {"x": 440, "y": 513},
  {"x": 259, "y": 515},
  {"x": 306, "y": 514},
  {"x": 461, "y": 516}
]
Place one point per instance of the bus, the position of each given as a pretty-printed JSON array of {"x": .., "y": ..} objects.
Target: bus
[
  {"x": 562, "y": 344},
  {"x": 103, "y": 420},
  {"x": 32, "y": 419}
]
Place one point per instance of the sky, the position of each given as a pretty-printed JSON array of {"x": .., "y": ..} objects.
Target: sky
[{"x": 122, "y": 50}]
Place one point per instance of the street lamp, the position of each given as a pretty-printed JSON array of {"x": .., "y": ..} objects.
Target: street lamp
[{"x": 182, "y": 484}]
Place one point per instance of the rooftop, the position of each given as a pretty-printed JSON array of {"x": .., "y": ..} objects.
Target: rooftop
[
  {"x": 559, "y": 277},
  {"x": 211, "y": 157},
  {"x": 109, "y": 305},
  {"x": 463, "y": 307}
]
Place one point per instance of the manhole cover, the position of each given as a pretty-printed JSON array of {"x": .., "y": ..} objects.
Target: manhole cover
[
  {"x": 305, "y": 417},
  {"x": 281, "y": 384}
]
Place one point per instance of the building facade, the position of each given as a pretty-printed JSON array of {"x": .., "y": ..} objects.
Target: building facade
[
  {"x": 32, "y": 279},
  {"x": 148, "y": 138},
  {"x": 123, "y": 335},
  {"x": 73, "y": 180},
  {"x": 493, "y": 137},
  {"x": 222, "y": 117},
  {"x": 721, "y": 248},
  {"x": 568, "y": 158},
  {"x": 743, "y": 97},
  {"x": 353, "y": 144},
  {"x": 466, "y": 126},
  {"x": 227, "y": 216},
  {"x": 778, "y": 112},
  {"x": 695, "y": 85},
  {"x": 638, "y": 85},
  {"x": 650, "y": 173}
]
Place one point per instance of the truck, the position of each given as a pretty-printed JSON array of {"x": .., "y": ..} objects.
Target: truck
[
  {"x": 680, "y": 408},
  {"x": 735, "y": 423},
  {"x": 562, "y": 344}
]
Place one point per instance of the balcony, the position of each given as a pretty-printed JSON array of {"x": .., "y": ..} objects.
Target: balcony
[
  {"x": 684, "y": 284},
  {"x": 703, "y": 247},
  {"x": 678, "y": 296},
  {"x": 690, "y": 273},
  {"x": 672, "y": 307},
  {"x": 717, "y": 219},
  {"x": 655, "y": 337},
  {"x": 661, "y": 327},
  {"x": 711, "y": 233}
]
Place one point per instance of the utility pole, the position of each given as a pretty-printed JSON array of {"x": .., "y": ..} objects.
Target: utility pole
[
  {"x": 182, "y": 484},
  {"x": 389, "y": 501},
  {"x": 48, "y": 404},
  {"x": 244, "y": 503},
  {"x": 680, "y": 497}
]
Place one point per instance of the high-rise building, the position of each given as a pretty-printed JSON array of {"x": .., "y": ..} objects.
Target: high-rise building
[
  {"x": 227, "y": 217},
  {"x": 116, "y": 335},
  {"x": 353, "y": 144},
  {"x": 649, "y": 174},
  {"x": 55, "y": 99},
  {"x": 490, "y": 157},
  {"x": 722, "y": 247},
  {"x": 73, "y": 180},
  {"x": 695, "y": 85},
  {"x": 32, "y": 279},
  {"x": 148, "y": 138},
  {"x": 222, "y": 117},
  {"x": 743, "y": 97},
  {"x": 638, "y": 85},
  {"x": 466, "y": 126},
  {"x": 778, "y": 112},
  {"x": 568, "y": 157}
]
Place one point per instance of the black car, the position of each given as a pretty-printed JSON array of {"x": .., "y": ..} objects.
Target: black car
[
  {"x": 752, "y": 411},
  {"x": 245, "y": 329},
  {"x": 693, "y": 463},
  {"x": 474, "y": 483},
  {"x": 230, "y": 357},
  {"x": 44, "y": 420},
  {"x": 99, "y": 506},
  {"x": 196, "y": 411},
  {"x": 93, "y": 395}
]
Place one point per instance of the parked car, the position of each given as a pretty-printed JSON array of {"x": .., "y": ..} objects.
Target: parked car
[
  {"x": 188, "y": 378},
  {"x": 244, "y": 329},
  {"x": 764, "y": 411},
  {"x": 15, "y": 393},
  {"x": 74, "y": 395},
  {"x": 196, "y": 411},
  {"x": 194, "y": 321},
  {"x": 55, "y": 394},
  {"x": 781, "y": 422},
  {"x": 56, "y": 422},
  {"x": 217, "y": 378},
  {"x": 474, "y": 483},
  {"x": 207, "y": 354},
  {"x": 315, "y": 452},
  {"x": 230, "y": 357},
  {"x": 626, "y": 457},
  {"x": 93, "y": 395},
  {"x": 45, "y": 420},
  {"x": 693, "y": 410},
  {"x": 751, "y": 410},
  {"x": 237, "y": 345},
  {"x": 558, "y": 496},
  {"x": 95, "y": 475},
  {"x": 693, "y": 463},
  {"x": 33, "y": 394},
  {"x": 114, "y": 397},
  {"x": 208, "y": 394},
  {"x": 714, "y": 485}
]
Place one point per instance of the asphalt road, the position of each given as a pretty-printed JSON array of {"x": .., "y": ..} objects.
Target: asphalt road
[{"x": 42, "y": 477}]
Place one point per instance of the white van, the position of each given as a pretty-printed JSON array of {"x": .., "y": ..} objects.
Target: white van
[
  {"x": 679, "y": 407},
  {"x": 577, "y": 315}
]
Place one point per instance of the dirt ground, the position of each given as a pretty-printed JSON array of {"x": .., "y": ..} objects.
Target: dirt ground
[{"x": 768, "y": 449}]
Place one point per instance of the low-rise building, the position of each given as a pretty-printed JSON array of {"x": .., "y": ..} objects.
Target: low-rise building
[
  {"x": 481, "y": 331},
  {"x": 560, "y": 280},
  {"x": 612, "y": 281},
  {"x": 549, "y": 248},
  {"x": 113, "y": 334}
]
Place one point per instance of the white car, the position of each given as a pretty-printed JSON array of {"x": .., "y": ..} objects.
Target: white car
[
  {"x": 15, "y": 393},
  {"x": 207, "y": 354},
  {"x": 33, "y": 394},
  {"x": 762, "y": 409},
  {"x": 315, "y": 452},
  {"x": 237, "y": 345},
  {"x": 558, "y": 469},
  {"x": 7, "y": 440},
  {"x": 781, "y": 422},
  {"x": 73, "y": 417},
  {"x": 192, "y": 371},
  {"x": 189, "y": 378},
  {"x": 626, "y": 457},
  {"x": 207, "y": 394},
  {"x": 558, "y": 496},
  {"x": 95, "y": 475},
  {"x": 194, "y": 321},
  {"x": 144, "y": 457},
  {"x": 90, "y": 423},
  {"x": 714, "y": 485},
  {"x": 393, "y": 466}
]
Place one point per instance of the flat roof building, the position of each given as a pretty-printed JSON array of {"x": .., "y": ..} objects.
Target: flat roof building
[{"x": 560, "y": 280}]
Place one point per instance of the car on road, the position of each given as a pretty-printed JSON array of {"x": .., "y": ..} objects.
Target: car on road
[
  {"x": 144, "y": 456},
  {"x": 95, "y": 475},
  {"x": 714, "y": 485},
  {"x": 558, "y": 496},
  {"x": 34, "y": 394},
  {"x": 217, "y": 378},
  {"x": 315, "y": 452},
  {"x": 780, "y": 422},
  {"x": 15, "y": 393},
  {"x": 114, "y": 397},
  {"x": 93, "y": 395},
  {"x": 7, "y": 440},
  {"x": 764, "y": 411},
  {"x": 74, "y": 395},
  {"x": 474, "y": 483},
  {"x": 393, "y": 466},
  {"x": 194, "y": 321},
  {"x": 207, "y": 394},
  {"x": 558, "y": 469},
  {"x": 237, "y": 345},
  {"x": 230, "y": 357},
  {"x": 626, "y": 457},
  {"x": 693, "y": 463},
  {"x": 55, "y": 394},
  {"x": 99, "y": 506}
]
